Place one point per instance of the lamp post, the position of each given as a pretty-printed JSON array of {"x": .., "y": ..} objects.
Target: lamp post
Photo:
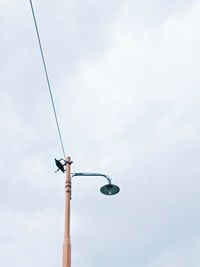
[
  {"x": 108, "y": 189},
  {"x": 67, "y": 241}
]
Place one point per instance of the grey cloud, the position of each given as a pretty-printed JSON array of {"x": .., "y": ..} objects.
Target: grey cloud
[{"x": 127, "y": 97}]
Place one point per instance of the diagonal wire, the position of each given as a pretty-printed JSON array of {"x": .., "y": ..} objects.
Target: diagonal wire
[{"x": 47, "y": 78}]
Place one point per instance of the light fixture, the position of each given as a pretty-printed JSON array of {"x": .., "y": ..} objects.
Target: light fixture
[{"x": 110, "y": 189}]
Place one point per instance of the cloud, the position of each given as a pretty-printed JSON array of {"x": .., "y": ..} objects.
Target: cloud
[{"x": 125, "y": 82}]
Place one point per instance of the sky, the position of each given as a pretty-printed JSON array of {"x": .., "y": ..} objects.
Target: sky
[{"x": 125, "y": 81}]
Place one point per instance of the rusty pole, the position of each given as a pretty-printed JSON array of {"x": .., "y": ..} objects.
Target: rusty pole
[{"x": 67, "y": 241}]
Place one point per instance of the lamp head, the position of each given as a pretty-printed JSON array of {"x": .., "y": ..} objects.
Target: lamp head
[{"x": 110, "y": 189}]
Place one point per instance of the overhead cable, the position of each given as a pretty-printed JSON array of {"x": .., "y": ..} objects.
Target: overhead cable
[{"x": 47, "y": 78}]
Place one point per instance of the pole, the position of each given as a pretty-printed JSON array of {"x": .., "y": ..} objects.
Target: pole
[{"x": 67, "y": 241}]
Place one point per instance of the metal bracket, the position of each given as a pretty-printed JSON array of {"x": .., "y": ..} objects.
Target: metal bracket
[
  {"x": 93, "y": 174},
  {"x": 60, "y": 165}
]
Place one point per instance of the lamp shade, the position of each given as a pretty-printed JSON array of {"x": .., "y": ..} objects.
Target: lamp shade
[{"x": 110, "y": 189}]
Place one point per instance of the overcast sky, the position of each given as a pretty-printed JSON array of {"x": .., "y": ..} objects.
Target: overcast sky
[{"x": 125, "y": 80}]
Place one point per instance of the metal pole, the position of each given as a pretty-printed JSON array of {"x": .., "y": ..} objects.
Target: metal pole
[{"x": 67, "y": 241}]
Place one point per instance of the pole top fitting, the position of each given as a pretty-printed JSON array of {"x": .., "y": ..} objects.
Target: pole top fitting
[{"x": 69, "y": 162}]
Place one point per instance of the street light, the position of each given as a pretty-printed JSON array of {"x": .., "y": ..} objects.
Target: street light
[{"x": 108, "y": 189}]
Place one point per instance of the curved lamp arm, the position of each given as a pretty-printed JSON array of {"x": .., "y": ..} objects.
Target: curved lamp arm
[{"x": 92, "y": 174}]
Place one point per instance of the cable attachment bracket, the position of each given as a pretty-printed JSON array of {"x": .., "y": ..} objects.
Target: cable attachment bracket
[{"x": 61, "y": 163}]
